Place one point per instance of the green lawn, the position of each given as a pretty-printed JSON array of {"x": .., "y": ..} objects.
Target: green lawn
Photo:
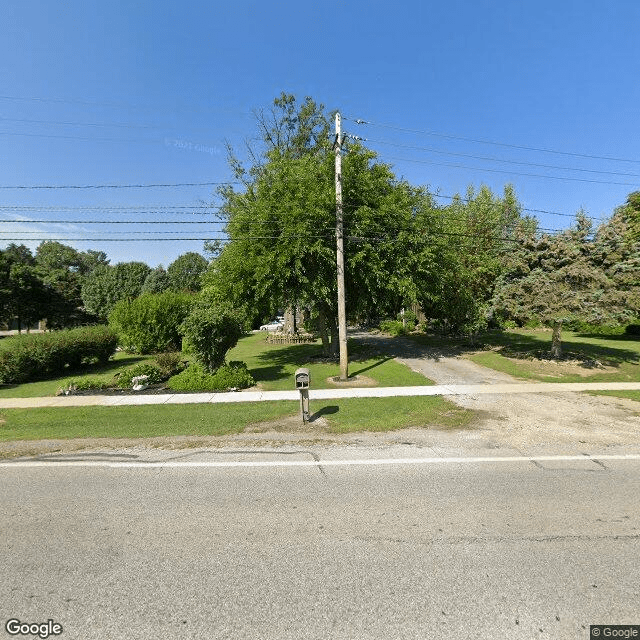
[
  {"x": 352, "y": 414},
  {"x": 517, "y": 352},
  {"x": 513, "y": 348},
  {"x": 273, "y": 365}
]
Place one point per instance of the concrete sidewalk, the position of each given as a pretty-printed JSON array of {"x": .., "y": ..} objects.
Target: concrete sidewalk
[{"x": 316, "y": 394}]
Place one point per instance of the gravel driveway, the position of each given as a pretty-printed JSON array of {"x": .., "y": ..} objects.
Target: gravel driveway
[{"x": 520, "y": 420}]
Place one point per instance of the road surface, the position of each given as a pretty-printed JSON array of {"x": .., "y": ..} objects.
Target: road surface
[{"x": 487, "y": 545}]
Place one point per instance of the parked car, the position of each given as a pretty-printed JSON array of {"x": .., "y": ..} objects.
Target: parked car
[{"x": 274, "y": 325}]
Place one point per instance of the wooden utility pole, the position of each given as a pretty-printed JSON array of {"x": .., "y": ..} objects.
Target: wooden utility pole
[{"x": 342, "y": 316}]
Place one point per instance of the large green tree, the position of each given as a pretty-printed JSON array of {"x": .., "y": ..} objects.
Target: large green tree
[
  {"x": 563, "y": 278},
  {"x": 106, "y": 285},
  {"x": 470, "y": 240},
  {"x": 282, "y": 249},
  {"x": 185, "y": 272}
]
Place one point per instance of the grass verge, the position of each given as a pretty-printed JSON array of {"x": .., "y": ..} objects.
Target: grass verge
[{"x": 362, "y": 414}]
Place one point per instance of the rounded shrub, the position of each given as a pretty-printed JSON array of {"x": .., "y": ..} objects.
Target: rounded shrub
[
  {"x": 234, "y": 375},
  {"x": 211, "y": 332}
]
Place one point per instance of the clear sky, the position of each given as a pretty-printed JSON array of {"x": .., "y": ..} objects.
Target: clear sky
[{"x": 95, "y": 93}]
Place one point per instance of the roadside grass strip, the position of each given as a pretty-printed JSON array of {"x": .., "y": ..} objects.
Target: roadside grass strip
[{"x": 147, "y": 421}]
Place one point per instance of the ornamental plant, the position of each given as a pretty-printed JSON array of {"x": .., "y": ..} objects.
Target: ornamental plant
[{"x": 211, "y": 331}]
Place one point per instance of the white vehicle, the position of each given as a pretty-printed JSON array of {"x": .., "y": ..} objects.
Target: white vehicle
[{"x": 274, "y": 325}]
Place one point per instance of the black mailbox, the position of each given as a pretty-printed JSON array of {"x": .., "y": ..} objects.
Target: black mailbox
[{"x": 303, "y": 379}]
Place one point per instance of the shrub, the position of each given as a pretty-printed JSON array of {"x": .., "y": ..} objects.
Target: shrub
[
  {"x": 45, "y": 355},
  {"x": 228, "y": 376},
  {"x": 151, "y": 322},
  {"x": 632, "y": 330},
  {"x": 85, "y": 384},
  {"x": 211, "y": 332},
  {"x": 153, "y": 374},
  {"x": 394, "y": 327},
  {"x": 410, "y": 318},
  {"x": 170, "y": 363},
  {"x": 234, "y": 375}
]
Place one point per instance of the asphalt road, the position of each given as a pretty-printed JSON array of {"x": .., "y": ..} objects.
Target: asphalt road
[{"x": 464, "y": 549}]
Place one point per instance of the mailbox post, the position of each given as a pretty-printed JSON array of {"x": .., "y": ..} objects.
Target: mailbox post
[{"x": 303, "y": 380}]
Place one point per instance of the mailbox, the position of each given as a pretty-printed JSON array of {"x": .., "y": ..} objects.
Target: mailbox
[{"x": 303, "y": 379}]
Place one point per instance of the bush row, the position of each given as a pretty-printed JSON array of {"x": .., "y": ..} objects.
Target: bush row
[{"x": 39, "y": 356}]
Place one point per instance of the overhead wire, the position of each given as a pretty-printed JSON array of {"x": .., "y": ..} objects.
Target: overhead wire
[
  {"x": 494, "y": 159},
  {"x": 515, "y": 173},
  {"x": 448, "y": 136},
  {"x": 116, "y": 186}
]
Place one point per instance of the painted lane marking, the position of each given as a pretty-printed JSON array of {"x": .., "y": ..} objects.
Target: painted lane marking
[{"x": 306, "y": 463}]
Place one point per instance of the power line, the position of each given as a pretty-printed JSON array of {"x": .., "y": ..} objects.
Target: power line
[
  {"x": 552, "y": 213},
  {"x": 488, "y": 142},
  {"x": 212, "y": 210},
  {"x": 148, "y": 207},
  {"x": 493, "y": 159},
  {"x": 123, "y": 105},
  {"x": 178, "y": 222},
  {"x": 117, "y": 186},
  {"x": 69, "y": 137},
  {"x": 515, "y": 173},
  {"x": 162, "y": 239}
]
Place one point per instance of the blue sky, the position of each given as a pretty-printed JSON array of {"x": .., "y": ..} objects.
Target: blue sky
[{"x": 147, "y": 92}]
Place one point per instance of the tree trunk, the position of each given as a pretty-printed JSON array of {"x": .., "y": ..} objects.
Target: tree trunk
[
  {"x": 324, "y": 336},
  {"x": 335, "y": 339},
  {"x": 289, "y": 320},
  {"x": 556, "y": 341}
]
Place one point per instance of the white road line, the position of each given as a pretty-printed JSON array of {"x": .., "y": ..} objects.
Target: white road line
[{"x": 304, "y": 463}]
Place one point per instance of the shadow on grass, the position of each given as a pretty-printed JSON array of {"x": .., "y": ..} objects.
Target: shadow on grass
[
  {"x": 371, "y": 366},
  {"x": 516, "y": 345},
  {"x": 325, "y": 411},
  {"x": 277, "y": 359},
  {"x": 296, "y": 355},
  {"x": 112, "y": 365},
  {"x": 623, "y": 337}
]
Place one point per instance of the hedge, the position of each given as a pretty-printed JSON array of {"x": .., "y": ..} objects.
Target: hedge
[
  {"x": 151, "y": 322},
  {"x": 39, "y": 356}
]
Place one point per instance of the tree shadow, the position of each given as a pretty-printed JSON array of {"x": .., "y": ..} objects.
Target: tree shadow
[
  {"x": 515, "y": 345},
  {"x": 112, "y": 365},
  {"x": 623, "y": 337},
  {"x": 511, "y": 345},
  {"x": 324, "y": 411},
  {"x": 371, "y": 366}
]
